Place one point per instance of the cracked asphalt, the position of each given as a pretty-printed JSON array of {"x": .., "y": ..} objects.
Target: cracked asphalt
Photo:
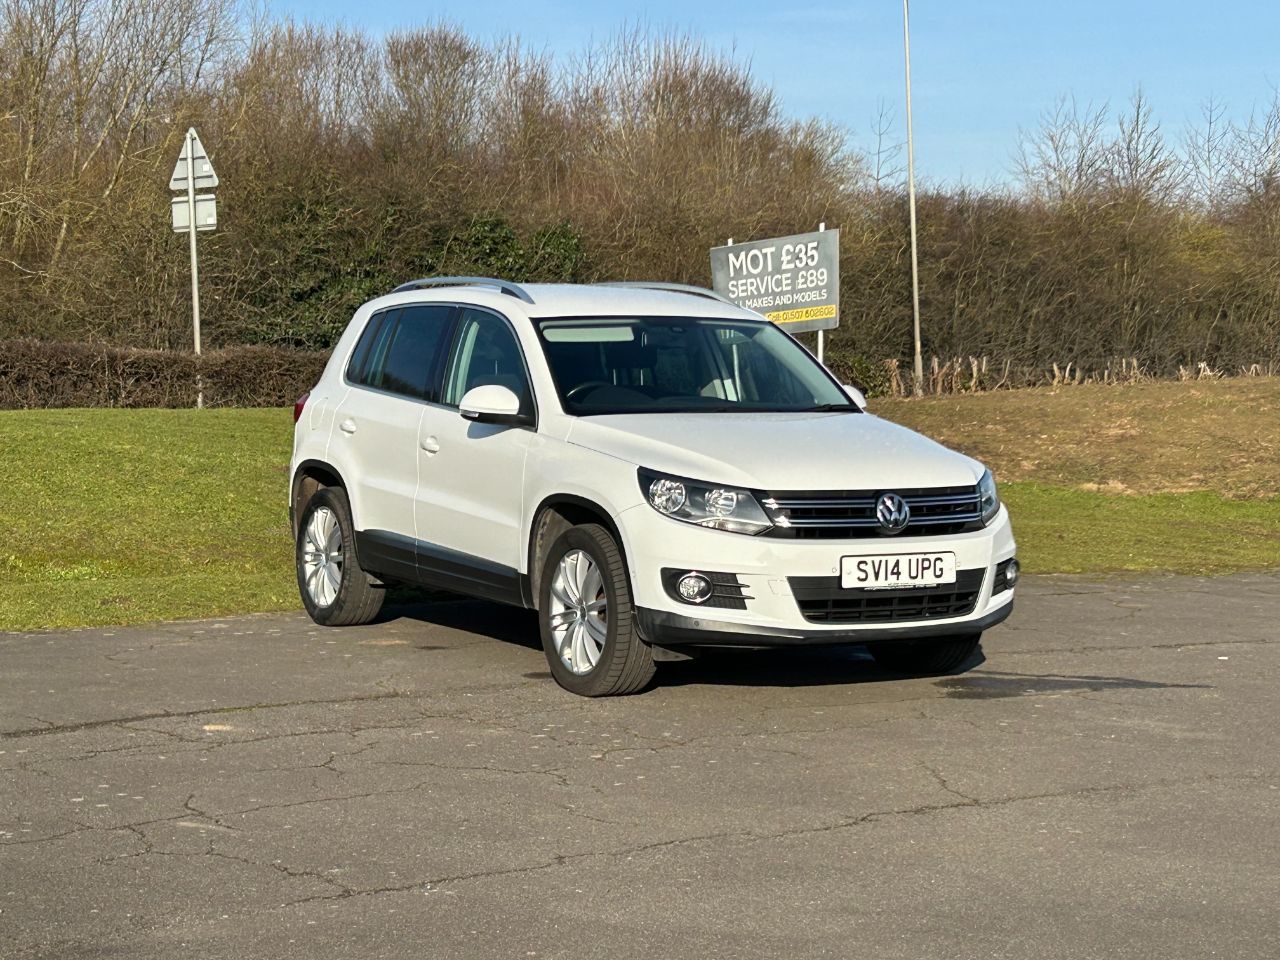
[{"x": 1105, "y": 784}]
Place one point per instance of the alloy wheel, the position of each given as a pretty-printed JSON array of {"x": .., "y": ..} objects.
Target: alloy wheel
[
  {"x": 322, "y": 556},
  {"x": 579, "y": 614}
]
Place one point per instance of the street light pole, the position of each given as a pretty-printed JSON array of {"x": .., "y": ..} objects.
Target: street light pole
[{"x": 918, "y": 361}]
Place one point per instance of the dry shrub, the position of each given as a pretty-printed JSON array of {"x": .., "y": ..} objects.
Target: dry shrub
[
  {"x": 351, "y": 162},
  {"x": 35, "y": 373}
]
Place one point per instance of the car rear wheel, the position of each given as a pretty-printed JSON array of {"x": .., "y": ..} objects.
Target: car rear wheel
[
  {"x": 941, "y": 655},
  {"x": 586, "y": 616},
  {"x": 335, "y": 590}
]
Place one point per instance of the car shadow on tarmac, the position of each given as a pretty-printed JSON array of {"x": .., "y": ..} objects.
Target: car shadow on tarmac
[
  {"x": 828, "y": 665},
  {"x": 790, "y": 667},
  {"x": 787, "y": 667},
  {"x": 498, "y": 621}
]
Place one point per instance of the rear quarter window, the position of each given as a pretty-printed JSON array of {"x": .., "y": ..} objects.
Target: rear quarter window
[{"x": 357, "y": 367}]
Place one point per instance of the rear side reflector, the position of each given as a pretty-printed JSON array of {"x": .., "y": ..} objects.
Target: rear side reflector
[{"x": 297, "y": 407}]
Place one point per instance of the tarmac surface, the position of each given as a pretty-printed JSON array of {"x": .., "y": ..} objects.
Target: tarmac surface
[{"x": 1105, "y": 784}]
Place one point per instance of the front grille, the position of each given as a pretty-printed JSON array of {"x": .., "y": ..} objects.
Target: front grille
[
  {"x": 823, "y": 600},
  {"x": 851, "y": 514}
]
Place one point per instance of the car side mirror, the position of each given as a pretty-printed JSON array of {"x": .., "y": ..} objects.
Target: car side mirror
[
  {"x": 857, "y": 396},
  {"x": 493, "y": 403}
]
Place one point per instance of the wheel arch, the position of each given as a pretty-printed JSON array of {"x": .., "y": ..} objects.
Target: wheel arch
[
  {"x": 555, "y": 514},
  {"x": 308, "y": 477}
]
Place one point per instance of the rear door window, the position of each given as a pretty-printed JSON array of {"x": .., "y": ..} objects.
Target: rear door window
[{"x": 404, "y": 353}]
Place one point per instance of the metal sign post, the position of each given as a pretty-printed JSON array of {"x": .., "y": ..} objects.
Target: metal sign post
[
  {"x": 821, "y": 229},
  {"x": 793, "y": 281},
  {"x": 192, "y": 213},
  {"x": 195, "y": 264}
]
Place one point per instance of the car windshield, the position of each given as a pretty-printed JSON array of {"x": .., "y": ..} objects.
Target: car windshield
[{"x": 683, "y": 365}]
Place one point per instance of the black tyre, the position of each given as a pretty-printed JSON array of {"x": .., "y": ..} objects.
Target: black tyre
[
  {"x": 335, "y": 590},
  {"x": 941, "y": 655},
  {"x": 587, "y": 619}
]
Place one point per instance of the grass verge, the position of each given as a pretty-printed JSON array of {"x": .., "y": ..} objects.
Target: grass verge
[
  {"x": 125, "y": 516},
  {"x": 119, "y": 516},
  {"x": 1065, "y": 530},
  {"x": 1214, "y": 435}
]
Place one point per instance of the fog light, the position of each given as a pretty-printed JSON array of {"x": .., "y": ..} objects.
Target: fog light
[
  {"x": 694, "y": 588},
  {"x": 1011, "y": 573}
]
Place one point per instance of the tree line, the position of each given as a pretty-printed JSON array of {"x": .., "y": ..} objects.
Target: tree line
[{"x": 350, "y": 162}]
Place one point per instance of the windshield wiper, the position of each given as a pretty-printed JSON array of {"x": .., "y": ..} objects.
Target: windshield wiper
[{"x": 833, "y": 408}]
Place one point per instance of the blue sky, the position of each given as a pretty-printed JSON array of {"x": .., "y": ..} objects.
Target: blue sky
[{"x": 981, "y": 68}]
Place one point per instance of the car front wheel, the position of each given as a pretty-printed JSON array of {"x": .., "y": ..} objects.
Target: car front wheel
[{"x": 586, "y": 616}]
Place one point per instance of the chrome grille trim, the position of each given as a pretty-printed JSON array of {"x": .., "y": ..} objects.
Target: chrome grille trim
[
  {"x": 866, "y": 502},
  {"x": 839, "y": 514}
]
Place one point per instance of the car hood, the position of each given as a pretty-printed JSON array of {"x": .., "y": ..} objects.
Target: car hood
[{"x": 778, "y": 451}]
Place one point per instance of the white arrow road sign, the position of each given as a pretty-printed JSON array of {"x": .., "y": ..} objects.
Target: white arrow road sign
[
  {"x": 192, "y": 212},
  {"x": 205, "y": 178}
]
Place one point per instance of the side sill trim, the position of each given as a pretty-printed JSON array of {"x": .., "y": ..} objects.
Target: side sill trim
[
  {"x": 398, "y": 557},
  {"x": 387, "y": 554}
]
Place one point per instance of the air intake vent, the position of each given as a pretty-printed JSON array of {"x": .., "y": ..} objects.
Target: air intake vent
[{"x": 822, "y": 600}]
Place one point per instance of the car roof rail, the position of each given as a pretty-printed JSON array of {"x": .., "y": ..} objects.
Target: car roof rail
[
  {"x": 505, "y": 286},
  {"x": 668, "y": 287}
]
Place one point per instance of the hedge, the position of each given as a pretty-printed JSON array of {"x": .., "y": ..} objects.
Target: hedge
[{"x": 37, "y": 373}]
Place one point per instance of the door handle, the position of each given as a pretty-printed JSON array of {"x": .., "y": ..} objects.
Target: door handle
[
  {"x": 431, "y": 445},
  {"x": 347, "y": 426}
]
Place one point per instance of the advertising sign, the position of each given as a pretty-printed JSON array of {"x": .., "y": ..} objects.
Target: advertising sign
[{"x": 793, "y": 281}]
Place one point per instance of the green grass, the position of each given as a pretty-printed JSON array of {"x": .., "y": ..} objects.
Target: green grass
[
  {"x": 118, "y": 516},
  {"x": 1162, "y": 437},
  {"x": 1065, "y": 530},
  {"x": 126, "y": 516}
]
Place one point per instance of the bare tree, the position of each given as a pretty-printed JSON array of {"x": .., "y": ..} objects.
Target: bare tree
[
  {"x": 1141, "y": 166},
  {"x": 1208, "y": 159},
  {"x": 885, "y": 161},
  {"x": 1065, "y": 159},
  {"x": 86, "y": 81}
]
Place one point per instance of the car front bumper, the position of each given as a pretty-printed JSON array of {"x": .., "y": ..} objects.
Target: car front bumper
[
  {"x": 766, "y": 566},
  {"x": 676, "y": 630}
]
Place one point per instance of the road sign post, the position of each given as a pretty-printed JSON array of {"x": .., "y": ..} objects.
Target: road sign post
[
  {"x": 793, "y": 281},
  {"x": 195, "y": 263},
  {"x": 191, "y": 214},
  {"x": 822, "y": 333}
]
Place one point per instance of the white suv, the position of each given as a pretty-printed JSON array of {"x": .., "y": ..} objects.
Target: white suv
[{"x": 650, "y": 467}]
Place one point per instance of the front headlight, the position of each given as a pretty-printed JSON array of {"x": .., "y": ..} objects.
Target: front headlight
[
  {"x": 988, "y": 498},
  {"x": 706, "y": 504}
]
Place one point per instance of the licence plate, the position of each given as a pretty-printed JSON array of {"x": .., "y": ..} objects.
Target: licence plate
[{"x": 897, "y": 570}]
